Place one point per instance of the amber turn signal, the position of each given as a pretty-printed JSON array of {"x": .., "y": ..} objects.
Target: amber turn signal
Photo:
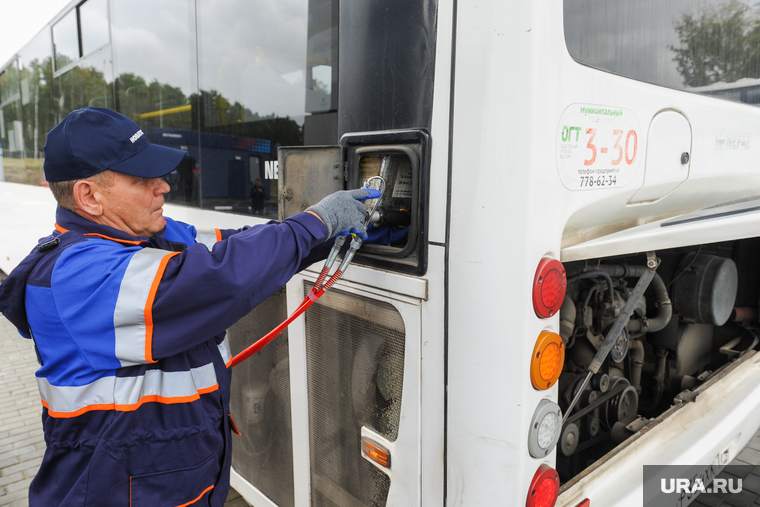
[
  {"x": 547, "y": 360},
  {"x": 376, "y": 452}
]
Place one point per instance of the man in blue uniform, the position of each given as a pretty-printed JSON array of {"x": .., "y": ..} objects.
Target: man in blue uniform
[{"x": 128, "y": 311}]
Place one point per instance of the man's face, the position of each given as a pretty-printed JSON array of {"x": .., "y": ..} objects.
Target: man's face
[{"x": 135, "y": 205}]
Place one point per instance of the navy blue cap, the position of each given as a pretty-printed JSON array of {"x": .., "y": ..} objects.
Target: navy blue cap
[{"x": 93, "y": 139}]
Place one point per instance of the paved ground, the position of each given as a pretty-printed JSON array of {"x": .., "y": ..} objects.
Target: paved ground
[
  {"x": 21, "y": 441},
  {"x": 749, "y": 475}
]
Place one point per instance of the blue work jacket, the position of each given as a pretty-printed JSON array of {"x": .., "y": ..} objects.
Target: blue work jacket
[{"x": 130, "y": 335}]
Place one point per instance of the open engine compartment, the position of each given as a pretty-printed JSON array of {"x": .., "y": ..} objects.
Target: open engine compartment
[{"x": 699, "y": 313}]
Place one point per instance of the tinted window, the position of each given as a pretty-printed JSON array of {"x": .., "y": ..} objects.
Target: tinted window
[
  {"x": 36, "y": 78},
  {"x": 706, "y": 46},
  {"x": 88, "y": 84},
  {"x": 66, "y": 40},
  {"x": 263, "y": 67},
  {"x": 154, "y": 54},
  {"x": 9, "y": 86},
  {"x": 14, "y": 148},
  {"x": 93, "y": 17},
  {"x": 228, "y": 89}
]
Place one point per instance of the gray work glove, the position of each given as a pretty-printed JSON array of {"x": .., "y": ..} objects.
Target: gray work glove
[{"x": 343, "y": 212}]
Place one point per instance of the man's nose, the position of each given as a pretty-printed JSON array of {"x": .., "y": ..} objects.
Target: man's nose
[{"x": 162, "y": 187}]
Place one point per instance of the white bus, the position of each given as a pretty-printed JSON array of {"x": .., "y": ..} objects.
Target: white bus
[{"x": 552, "y": 161}]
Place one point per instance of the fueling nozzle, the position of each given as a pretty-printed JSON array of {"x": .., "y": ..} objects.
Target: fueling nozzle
[
  {"x": 385, "y": 216},
  {"x": 377, "y": 183}
]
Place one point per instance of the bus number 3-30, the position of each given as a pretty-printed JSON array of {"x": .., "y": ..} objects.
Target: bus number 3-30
[{"x": 629, "y": 152}]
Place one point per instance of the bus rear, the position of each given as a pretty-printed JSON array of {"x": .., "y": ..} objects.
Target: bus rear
[{"x": 581, "y": 134}]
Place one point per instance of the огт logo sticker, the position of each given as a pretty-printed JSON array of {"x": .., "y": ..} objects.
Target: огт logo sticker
[{"x": 598, "y": 147}]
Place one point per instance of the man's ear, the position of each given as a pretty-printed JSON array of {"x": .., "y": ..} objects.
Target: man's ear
[{"x": 88, "y": 197}]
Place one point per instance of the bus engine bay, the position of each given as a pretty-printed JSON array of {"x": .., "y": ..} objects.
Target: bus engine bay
[{"x": 698, "y": 314}]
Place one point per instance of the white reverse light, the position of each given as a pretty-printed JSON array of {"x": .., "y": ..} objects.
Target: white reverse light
[{"x": 544, "y": 429}]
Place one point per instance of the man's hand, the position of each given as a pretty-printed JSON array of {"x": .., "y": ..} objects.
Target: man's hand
[{"x": 343, "y": 212}]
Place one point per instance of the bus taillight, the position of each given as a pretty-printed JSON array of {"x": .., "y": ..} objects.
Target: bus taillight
[
  {"x": 547, "y": 360},
  {"x": 549, "y": 287},
  {"x": 544, "y": 488},
  {"x": 544, "y": 429}
]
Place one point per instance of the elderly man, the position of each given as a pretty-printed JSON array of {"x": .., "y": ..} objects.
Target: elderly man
[{"x": 128, "y": 311}]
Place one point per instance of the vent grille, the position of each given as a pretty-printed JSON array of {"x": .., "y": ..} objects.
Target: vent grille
[
  {"x": 260, "y": 404},
  {"x": 355, "y": 368}
]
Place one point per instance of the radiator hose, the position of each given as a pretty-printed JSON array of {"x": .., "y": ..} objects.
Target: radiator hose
[{"x": 661, "y": 298}]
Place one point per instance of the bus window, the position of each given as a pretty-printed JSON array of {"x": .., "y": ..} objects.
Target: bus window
[
  {"x": 670, "y": 43},
  {"x": 155, "y": 92},
  {"x": 66, "y": 40},
  {"x": 36, "y": 72},
  {"x": 9, "y": 90},
  {"x": 93, "y": 16},
  {"x": 263, "y": 69}
]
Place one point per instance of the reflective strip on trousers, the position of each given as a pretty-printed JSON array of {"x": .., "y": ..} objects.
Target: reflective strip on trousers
[{"x": 128, "y": 393}]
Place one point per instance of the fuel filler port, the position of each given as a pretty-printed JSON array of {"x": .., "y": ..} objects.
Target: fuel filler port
[
  {"x": 401, "y": 159},
  {"x": 398, "y": 222}
]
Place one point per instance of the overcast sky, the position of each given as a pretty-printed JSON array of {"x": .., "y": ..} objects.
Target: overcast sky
[{"x": 21, "y": 20}]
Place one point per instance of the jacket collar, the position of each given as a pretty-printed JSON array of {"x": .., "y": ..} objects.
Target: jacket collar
[{"x": 66, "y": 220}]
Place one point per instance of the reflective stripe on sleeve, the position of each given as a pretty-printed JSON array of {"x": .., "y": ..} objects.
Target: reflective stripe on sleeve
[
  {"x": 125, "y": 394},
  {"x": 208, "y": 238},
  {"x": 133, "y": 315},
  {"x": 224, "y": 350}
]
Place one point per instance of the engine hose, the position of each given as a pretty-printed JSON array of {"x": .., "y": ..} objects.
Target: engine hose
[
  {"x": 613, "y": 334},
  {"x": 593, "y": 274},
  {"x": 661, "y": 298}
]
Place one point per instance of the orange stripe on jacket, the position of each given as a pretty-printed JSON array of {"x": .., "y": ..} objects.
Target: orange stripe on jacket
[
  {"x": 132, "y": 406},
  {"x": 124, "y": 241},
  {"x": 149, "y": 307}
]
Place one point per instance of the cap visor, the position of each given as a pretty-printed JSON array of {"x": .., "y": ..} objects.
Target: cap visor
[{"x": 152, "y": 162}]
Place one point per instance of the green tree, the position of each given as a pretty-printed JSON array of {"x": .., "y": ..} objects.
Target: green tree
[{"x": 721, "y": 44}]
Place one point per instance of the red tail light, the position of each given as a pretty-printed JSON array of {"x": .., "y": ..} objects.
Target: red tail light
[
  {"x": 544, "y": 488},
  {"x": 549, "y": 287}
]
